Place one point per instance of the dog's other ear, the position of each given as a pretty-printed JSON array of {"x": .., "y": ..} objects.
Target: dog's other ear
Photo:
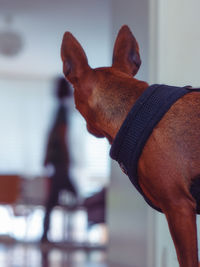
[
  {"x": 74, "y": 59},
  {"x": 126, "y": 55}
]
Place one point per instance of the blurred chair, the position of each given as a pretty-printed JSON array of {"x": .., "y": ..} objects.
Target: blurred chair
[
  {"x": 9, "y": 189},
  {"x": 34, "y": 191},
  {"x": 96, "y": 207},
  {"x": 9, "y": 194}
]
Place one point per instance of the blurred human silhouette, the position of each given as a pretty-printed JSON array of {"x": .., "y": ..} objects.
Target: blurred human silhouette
[{"x": 57, "y": 153}]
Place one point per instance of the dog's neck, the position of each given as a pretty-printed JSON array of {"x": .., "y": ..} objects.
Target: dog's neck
[{"x": 113, "y": 107}]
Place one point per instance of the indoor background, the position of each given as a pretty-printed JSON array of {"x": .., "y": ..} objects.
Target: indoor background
[{"x": 31, "y": 32}]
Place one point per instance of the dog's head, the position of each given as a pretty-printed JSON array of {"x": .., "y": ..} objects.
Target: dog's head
[{"x": 99, "y": 92}]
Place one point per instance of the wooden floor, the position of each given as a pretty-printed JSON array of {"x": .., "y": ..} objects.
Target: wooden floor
[{"x": 50, "y": 255}]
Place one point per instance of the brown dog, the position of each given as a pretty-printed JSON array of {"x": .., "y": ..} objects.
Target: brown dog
[{"x": 168, "y": 168}]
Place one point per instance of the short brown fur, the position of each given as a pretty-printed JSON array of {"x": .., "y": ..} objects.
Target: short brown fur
[{"x": 170, "y": 159}]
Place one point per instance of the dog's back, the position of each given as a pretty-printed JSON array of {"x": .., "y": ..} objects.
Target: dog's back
[{"x": 173, "y": 149}]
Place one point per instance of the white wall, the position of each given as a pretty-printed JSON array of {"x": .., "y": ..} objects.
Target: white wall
[
  {"x": 178, "y": 40},
  {"x": 42, "y": 25}
]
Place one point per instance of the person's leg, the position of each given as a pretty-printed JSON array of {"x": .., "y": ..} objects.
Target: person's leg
[
  {"x": 70, "y": 186},
  {"x": 51, "y": 202},
  {"x": 65, "y": 182}
]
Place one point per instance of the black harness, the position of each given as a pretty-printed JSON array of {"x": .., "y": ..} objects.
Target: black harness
[{"x": 147, "y": 111}]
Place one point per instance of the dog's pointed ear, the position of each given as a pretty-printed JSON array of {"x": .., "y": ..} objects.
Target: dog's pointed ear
[
  {"x": 126, "y": 55},
  {"x": 74, "y": 59}
]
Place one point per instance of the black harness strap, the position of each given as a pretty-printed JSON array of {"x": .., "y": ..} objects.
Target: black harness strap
[{"x": 148, "y": 110}]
